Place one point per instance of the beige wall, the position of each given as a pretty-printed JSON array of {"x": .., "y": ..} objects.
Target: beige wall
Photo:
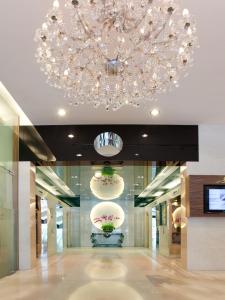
[{"x": 204, "y": 237}]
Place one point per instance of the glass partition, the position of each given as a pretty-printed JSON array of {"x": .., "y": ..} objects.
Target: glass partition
[{"x": 9, "y": 124}]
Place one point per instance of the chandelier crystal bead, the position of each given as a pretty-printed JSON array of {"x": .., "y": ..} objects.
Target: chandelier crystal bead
[{"x": 115, "y": 52}]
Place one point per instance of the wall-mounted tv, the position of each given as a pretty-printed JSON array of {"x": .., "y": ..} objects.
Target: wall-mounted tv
[{"x": 214, "y": 198}]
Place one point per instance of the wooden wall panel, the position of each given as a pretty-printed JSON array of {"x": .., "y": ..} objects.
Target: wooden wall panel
[{"x": 196, "y": 194}]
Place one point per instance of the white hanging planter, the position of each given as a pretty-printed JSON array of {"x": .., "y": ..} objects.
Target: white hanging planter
[{"x": 107, "y": 187}]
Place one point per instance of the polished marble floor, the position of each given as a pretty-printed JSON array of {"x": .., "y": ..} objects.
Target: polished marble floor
[{"x": 111, "y": 274}]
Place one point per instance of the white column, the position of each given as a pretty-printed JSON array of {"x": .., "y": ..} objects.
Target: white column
[
  {"x": 27, "y": 216},
  {"x": 205, "y": 237},
  {"x": 65, "y": 227},
  {"x": 52, "y": 237}
]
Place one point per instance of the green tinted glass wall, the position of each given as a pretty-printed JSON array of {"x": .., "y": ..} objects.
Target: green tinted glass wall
[{"x": 8, "y": 187}]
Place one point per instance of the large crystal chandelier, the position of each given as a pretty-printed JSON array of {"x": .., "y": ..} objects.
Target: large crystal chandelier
[{"x": 115, "y": 52}]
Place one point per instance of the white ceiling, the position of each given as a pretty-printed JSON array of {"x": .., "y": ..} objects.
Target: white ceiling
[{"x": 199, "y": 99}]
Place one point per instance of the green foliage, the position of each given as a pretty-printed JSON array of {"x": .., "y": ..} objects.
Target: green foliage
[
  {"x": 108, "y": 171},
  {"x": 108, "y": 227}
]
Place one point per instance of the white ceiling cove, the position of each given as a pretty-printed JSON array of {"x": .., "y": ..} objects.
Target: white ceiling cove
[{"x": 199, "y": 99}]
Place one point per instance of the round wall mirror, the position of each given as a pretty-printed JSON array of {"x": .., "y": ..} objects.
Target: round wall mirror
[{"x": 108, "y": 144}]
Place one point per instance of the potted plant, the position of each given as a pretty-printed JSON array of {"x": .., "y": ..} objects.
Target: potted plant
[{"x": 108, "y": 227}]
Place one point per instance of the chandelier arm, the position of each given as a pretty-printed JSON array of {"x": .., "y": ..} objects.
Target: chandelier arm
[
  {"x": 85, "y": 27},
  {"x": 166, "y": 42},
  {"x": 135, "y": 50},
  {"x": 149, "y": 35},
  {"x": 162, "y": 28},
  {"x": 143, "y": 40},
  {"x": 146, "y": 37},
  {"x": 91, "y": 73},
  {"x": 140, "y": 21}
]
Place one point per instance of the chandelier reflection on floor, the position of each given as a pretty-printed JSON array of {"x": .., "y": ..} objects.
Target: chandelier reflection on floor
[{"x": 115, "y": 52}]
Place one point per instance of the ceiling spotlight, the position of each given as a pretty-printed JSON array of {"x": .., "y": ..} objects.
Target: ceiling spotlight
[
  {"x": 136, "y": 154},
  {"x": 61, "y": 112},
  {"x": 70, "y": 136},
  {"x": 144, "y": 135},
  {"x": 155, "y": 112},
  {"x": 79, "y": 155}
]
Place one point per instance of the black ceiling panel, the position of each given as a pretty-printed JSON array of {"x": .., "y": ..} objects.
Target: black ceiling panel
[{"x": 164, "y": 143}]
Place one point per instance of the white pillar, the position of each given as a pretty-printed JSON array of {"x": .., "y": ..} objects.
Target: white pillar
[
  {"x": 27, "y": 216},
  {"x": 52, "y": 234},
  {"x": 205, "y": 236}
]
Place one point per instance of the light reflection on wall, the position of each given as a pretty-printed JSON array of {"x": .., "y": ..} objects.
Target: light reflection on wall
[{"x": 109, "y": 290}]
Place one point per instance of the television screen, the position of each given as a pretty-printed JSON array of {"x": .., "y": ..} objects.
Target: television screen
[{"x": 214, "y": 198}]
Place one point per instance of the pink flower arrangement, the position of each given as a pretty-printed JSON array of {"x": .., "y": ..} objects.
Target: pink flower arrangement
[{"x": 105, "y": 218}]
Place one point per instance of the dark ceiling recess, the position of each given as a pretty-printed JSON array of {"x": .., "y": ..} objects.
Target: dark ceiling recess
[
  {"x": 71, "y": 201},
  {"x": 164, "y": 143},
  {"x": 142, "y": 201}
]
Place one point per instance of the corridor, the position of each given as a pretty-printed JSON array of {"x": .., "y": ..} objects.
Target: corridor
[{"x": 108, "y": 274}]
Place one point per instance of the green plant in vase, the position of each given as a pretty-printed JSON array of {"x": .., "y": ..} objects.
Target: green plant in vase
[{"x": 108, "y": 227}]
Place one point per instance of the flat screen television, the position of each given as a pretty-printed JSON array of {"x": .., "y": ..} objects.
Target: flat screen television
[{"x": 214, "y": 198}]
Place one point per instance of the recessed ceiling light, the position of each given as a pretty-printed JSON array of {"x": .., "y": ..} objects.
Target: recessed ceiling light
[
  {"x": 144, "y": 135},
  {"x": 61, "y": 112},
  {"x": 79, "y": 155},
  {"x": 155, "y": 112},
  {"x": 70, "y": 136},
  {"x": 136, "y": 154}
]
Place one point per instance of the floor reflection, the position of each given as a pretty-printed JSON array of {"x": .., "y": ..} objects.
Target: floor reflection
[
  {"x": 106, "y": 268},
  {"x": 105, "y": 290},
  {"x": 111, "y": 274}
]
